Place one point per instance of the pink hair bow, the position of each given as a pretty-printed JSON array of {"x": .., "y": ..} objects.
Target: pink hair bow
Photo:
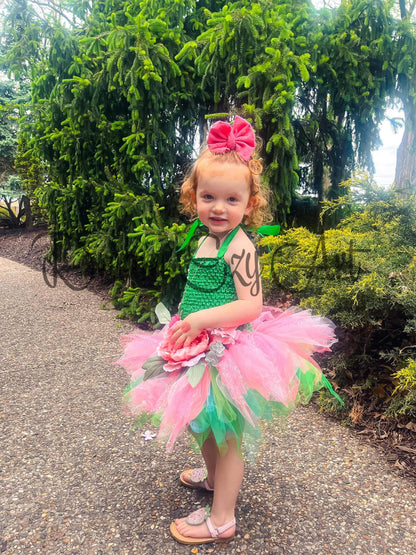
[{"x": 223, "y": 137}]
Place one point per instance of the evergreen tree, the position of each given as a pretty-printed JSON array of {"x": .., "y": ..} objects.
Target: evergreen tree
[
  {"x": 343, "y": 103},
  {"x": 8, "y": 139}
]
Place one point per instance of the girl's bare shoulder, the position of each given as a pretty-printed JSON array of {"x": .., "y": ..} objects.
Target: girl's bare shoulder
[{"x": 240, "y": 246}]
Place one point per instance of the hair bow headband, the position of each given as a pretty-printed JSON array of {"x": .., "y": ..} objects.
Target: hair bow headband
[{"x": 223, "y": 137}]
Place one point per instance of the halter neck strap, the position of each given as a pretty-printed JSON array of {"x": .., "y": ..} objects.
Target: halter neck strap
[
  {"x": 197, "y": 223},
  {"x": 263, "y": 230},
  {"x": 223, "y": 248}
]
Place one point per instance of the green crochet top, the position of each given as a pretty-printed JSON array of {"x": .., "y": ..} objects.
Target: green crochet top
[{"x": 209, "y": 282}]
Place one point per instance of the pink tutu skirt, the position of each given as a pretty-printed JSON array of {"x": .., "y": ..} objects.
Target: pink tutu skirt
[{"x": 227, "y": 379}]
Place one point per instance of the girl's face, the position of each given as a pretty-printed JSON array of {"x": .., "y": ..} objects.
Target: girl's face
[{"x": 222, "y": 196}]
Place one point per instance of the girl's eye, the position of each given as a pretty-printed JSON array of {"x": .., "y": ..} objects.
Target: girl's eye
[
  {"x": 233, "y": 199},
  {"x": 207, "y": 197}
]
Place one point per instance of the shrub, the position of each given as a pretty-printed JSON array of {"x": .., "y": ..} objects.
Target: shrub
[
  {"x": 12, "y": 211},
  {"x": 130, "y": 240},
  {"x": 138, "y": 248},
  {"x": 362, "y": 275},
  {"x": 404, "y": 396},
  {"x": 32, "y": 173}
]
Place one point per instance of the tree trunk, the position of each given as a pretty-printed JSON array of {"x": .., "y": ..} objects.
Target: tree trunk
[
  {"x": 405, "y": 178},
  {"x": 28, "y": 213}
]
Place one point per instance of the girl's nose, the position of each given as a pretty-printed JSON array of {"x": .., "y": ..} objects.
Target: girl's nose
[{"x": 218, "y": 206}]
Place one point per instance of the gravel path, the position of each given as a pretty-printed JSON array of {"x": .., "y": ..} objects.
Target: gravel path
[{"x": 75, "y": 479}]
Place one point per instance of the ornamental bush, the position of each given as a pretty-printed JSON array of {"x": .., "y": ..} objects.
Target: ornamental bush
[
  {"x": 362, "y": 275},
  {"x": 136, "y": 246},
  {"x": 404, "y": 401}
]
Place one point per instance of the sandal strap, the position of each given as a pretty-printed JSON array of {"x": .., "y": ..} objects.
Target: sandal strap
[
  {"x": 206, "y": 486},
  {"x": 215, "y": 532}
]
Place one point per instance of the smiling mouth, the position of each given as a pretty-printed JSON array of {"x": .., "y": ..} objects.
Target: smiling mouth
[{"x": 219, "y": 220}]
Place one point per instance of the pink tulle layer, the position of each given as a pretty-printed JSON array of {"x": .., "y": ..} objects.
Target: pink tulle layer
[{"x": 266, "y": 358}]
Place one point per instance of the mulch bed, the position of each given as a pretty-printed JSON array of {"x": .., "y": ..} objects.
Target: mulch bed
[
  {"x": 30, "y": 247},
  {"x": 396, "y": 440}
]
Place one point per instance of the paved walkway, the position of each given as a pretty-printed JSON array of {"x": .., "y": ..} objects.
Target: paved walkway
[{"x": 75, "y": 479}]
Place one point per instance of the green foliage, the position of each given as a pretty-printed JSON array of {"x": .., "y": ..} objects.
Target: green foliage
[
  {"x": 363, "y": 276},
  {"x": 12, "y": 97},
  {"x": 134, "y": 245},
  {"x": 343, "y": 103},
  {"x": 31, "y": 172},
  {"x": 154, "y": 249},
  {"x": 12, "y": 211},
  {"x": 109, "y": 130},
  {"x": 404, "y": 396},
  {"x": 136, "y": 303},
  {"x": 119, "y": 95},
  {"x": 12, "y": 187},
  {"x": 116, "y": 106},
  {"x": 330, "y": 404},
  {"x": 130, "y": 89},
  {"x": 112, "y": 95},
  {"x": 406, "y": 377},
  {"x": 359, "y": 274},
  {"x": 252, "y": 60}
]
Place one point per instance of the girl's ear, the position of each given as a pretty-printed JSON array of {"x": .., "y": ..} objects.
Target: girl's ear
[{"x": 252, "y": 201}]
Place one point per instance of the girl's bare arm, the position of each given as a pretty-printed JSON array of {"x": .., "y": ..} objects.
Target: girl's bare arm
[{"x": 243, "y": 260}]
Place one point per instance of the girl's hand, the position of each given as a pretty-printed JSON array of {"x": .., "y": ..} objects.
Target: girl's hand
[{"x": 185, "y": 331}]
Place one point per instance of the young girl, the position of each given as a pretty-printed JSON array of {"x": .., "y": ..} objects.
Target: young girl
[{"x": 224, "y": 362}]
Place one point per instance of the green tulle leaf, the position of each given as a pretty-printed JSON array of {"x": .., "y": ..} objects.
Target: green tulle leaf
[
  {"x": 224, "y": 410},
  {"x": 195, "y": 373},
  {"x": 133, "y": 384},
  {"x": 328, "y": 385},
  {"x": 153, "y": 367}
]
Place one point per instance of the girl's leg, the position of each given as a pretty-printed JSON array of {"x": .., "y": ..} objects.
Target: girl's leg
[
  {"x": 228, "y": 477},
  {"x": 209, "y": 452}
]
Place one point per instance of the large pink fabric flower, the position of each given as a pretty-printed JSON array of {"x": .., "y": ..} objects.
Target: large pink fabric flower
[
  {"x": 185, "y": 356},
  {"x": 227, "y": 336}
]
